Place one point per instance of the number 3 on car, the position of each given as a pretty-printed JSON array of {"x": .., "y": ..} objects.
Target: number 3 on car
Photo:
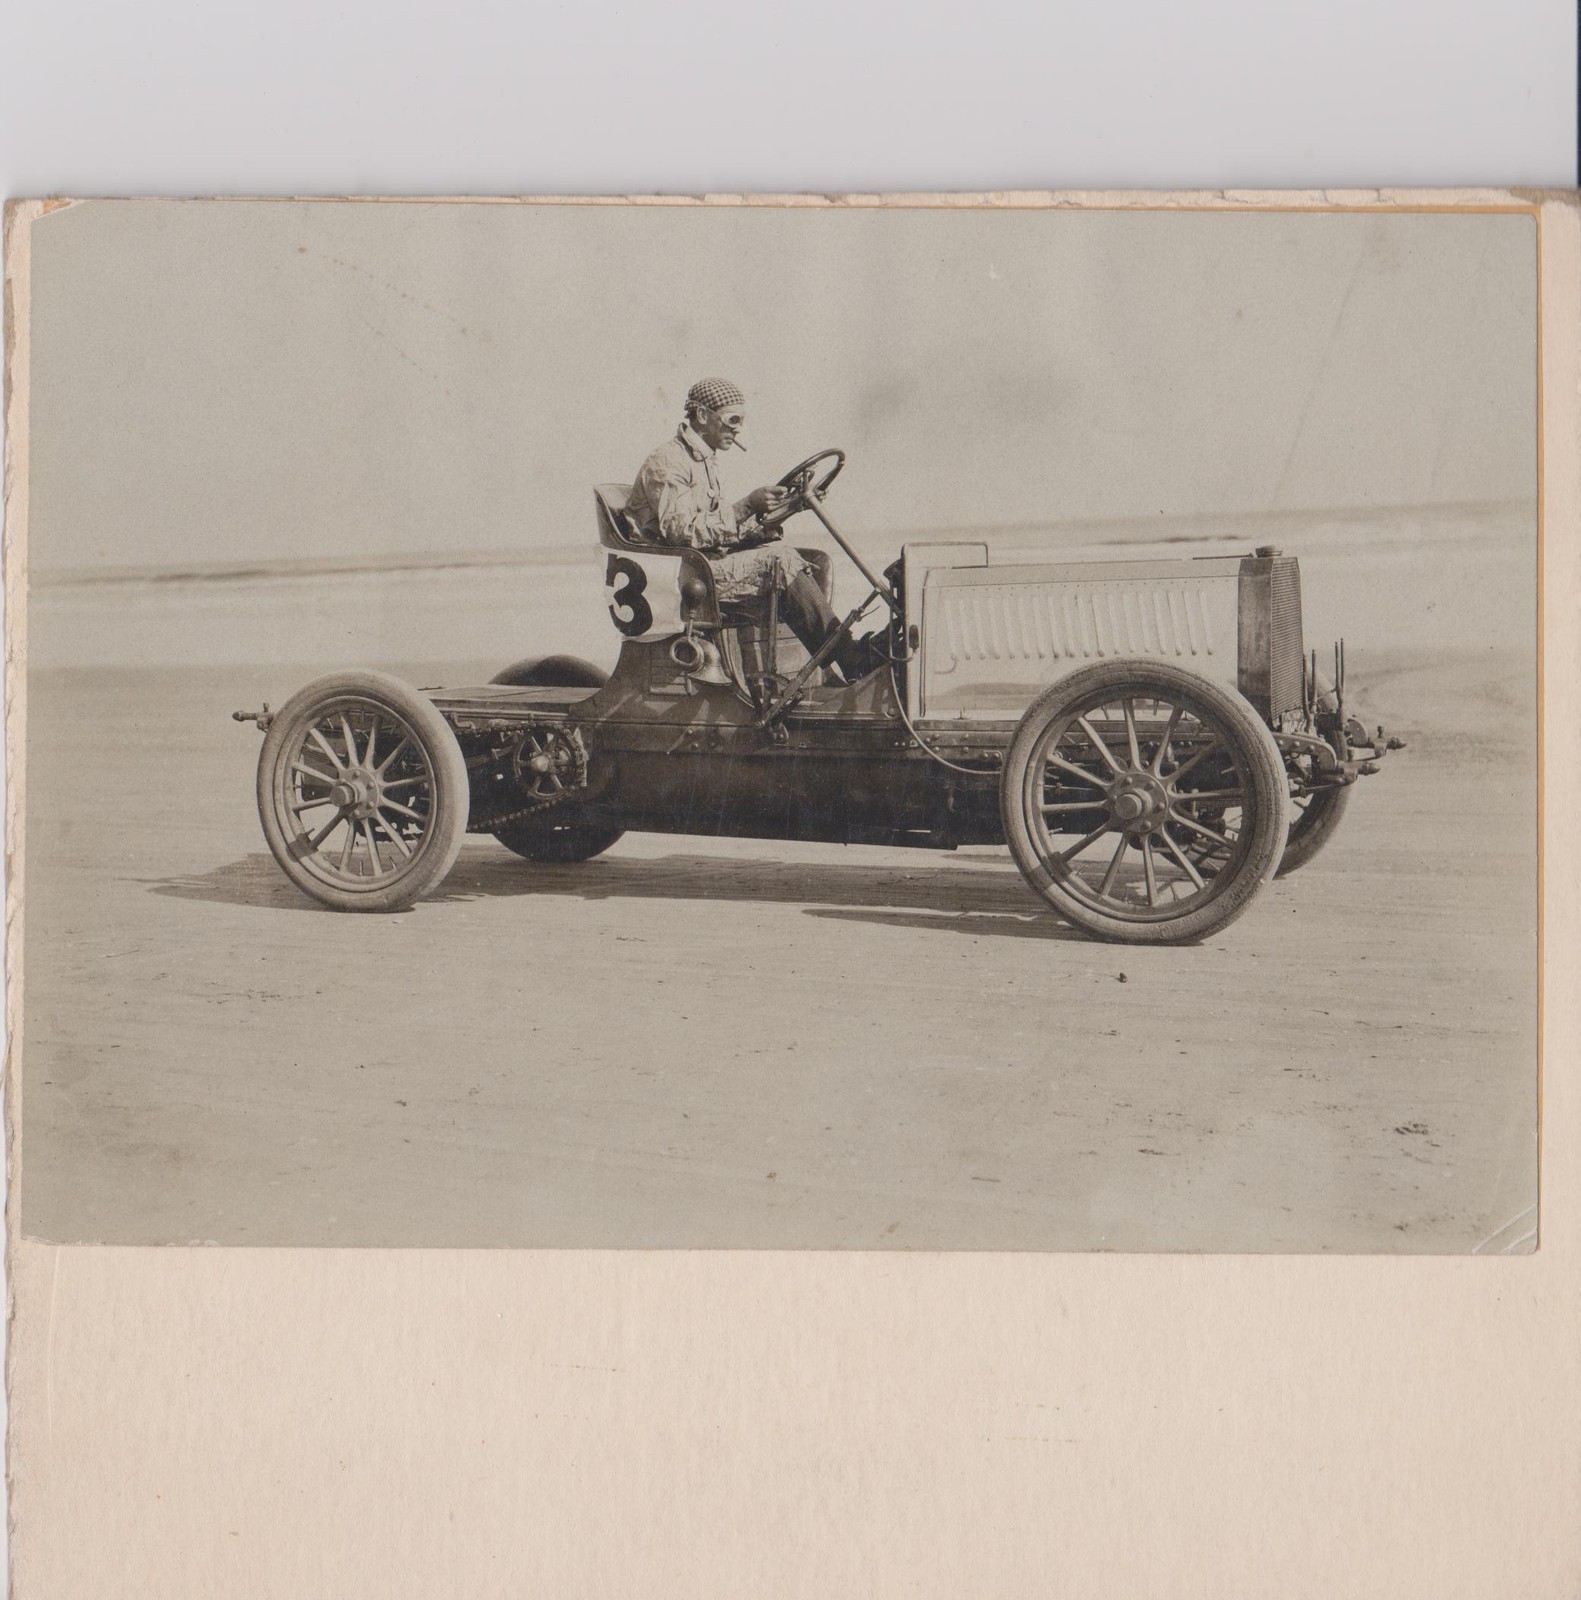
[{"x": 644, "y": 592}]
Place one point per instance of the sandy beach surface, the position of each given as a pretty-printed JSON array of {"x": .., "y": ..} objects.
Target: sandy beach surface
[{"x": 701, "y": 1043}]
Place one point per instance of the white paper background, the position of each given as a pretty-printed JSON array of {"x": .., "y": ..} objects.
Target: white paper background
[{"x": 609, "y": 97}]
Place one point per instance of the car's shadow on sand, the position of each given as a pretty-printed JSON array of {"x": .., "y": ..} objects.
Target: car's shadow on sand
[{"x": 955, "y": 898}]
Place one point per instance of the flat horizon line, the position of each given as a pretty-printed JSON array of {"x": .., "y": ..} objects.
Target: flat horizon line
[{"x": 1183, "y": 528}]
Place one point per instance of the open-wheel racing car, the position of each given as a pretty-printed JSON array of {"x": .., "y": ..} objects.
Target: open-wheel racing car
[{"x": 1149, "y": 737}]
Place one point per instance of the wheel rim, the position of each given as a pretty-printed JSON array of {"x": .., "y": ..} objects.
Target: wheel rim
[
  {"x": 1140, "y": 804},
  {"x": 355, "y": 794}
]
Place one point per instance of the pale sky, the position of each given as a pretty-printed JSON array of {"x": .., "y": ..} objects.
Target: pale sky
[{"x": 223, "y": 381}]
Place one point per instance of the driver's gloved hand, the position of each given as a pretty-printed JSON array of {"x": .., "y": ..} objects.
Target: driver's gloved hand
[{"x": 769, "y": 498}]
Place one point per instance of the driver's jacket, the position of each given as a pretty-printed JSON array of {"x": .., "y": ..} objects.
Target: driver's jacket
[{"x": 676, "y": 496}]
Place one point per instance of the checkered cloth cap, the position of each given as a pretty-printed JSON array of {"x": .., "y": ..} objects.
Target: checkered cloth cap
[{"x": 715, "y": 393}]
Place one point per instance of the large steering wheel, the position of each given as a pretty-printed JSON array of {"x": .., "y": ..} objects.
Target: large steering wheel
[
  {"x": 804, "y": 490},
  {"x": 802, "y": 484}
]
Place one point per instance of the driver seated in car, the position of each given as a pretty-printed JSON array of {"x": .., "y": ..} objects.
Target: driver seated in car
[{"x": 677, "y": 498}]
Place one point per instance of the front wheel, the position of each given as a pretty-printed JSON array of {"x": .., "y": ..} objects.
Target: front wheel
[
  {"x": 1316, "y": 816},
  {"x": 1143, "y": 802},
  {"x": 362, "y": 792}
]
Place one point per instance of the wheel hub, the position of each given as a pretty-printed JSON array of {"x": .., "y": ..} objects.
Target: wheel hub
[
  {"x": 1139, "y": 803},
  {"x": 356, "y": 792}
]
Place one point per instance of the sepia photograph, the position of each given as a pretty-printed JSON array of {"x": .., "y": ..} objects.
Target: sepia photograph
[{"x": 819, "y": 726}]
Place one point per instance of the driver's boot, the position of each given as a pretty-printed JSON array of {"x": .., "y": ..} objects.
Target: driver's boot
[{"x": 809, "y": 616}]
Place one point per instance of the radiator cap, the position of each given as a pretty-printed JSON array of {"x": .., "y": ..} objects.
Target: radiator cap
[{"x": 1267, "y": 550}]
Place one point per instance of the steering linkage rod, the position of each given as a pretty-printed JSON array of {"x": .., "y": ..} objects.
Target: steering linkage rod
[{"x": 815, "y": 505}]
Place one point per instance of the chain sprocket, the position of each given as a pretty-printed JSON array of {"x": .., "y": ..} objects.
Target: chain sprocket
[{"x": 547, "y": 765}]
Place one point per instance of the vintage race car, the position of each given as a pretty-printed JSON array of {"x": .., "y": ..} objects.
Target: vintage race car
[{"x": 1149, "y": 737}]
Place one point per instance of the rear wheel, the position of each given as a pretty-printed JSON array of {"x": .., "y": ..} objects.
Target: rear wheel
[
  {"x": 362, "y": 792},
  {"x": 558, "y": 835},
  {"x": 1143, "y": 802},
  {"x": 559, "y": 841},
  {"x": 551, "y": 672}
]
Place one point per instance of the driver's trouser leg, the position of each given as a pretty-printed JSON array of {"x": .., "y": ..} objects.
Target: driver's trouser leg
[
  {"x": 811, "y": 618},
  {"x": 807, "y": 613}
]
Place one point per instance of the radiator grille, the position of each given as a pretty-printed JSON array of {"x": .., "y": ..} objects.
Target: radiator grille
[
  {"x": 1286, "y": 644},
  {"x": 1270, "y": 633}
]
